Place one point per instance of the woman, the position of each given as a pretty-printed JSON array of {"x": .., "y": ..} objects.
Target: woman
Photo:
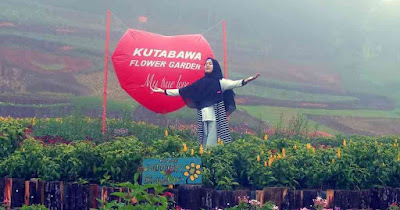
[{"x": 213, "y": 98}]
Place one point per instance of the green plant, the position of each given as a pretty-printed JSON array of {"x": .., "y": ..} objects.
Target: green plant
[
  {"x": 138, "y": 197},
  {"x": 11, "y": 135},
  {"x": 120, "y": 158},
  {"x": 31, "y": 161},
  {"x": 34, "y": 207}
]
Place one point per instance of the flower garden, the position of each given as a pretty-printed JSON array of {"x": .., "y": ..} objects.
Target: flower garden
[{"x": 73, "y": 149}]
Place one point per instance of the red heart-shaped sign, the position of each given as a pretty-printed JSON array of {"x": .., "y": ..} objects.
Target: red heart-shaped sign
[{"x": 143, "y": 59}]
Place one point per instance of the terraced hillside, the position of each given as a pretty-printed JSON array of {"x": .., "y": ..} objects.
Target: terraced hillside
[{"x": 51, "y": 60}]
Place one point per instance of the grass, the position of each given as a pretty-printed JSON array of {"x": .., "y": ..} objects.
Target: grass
[
  {"x": 272, "y": 114},
  {"x": 292, "y": 95},
  {"x": 283, "y": 94},
  {"x": 96, "y": 103},
  {"x": 49, "y": 67}
]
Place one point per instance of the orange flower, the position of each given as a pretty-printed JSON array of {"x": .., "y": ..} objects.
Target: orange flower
[
  {"x": 270, "y": 160},
  {"x": 333, "y": 160},
  {"x": 192, "y": 152},
  {"x": 166, "y": 132},
  {"x": 344, "y": 143},
  {"x": 265, "y": 163},
  {"x": 201, "y": 150},
  {"x": 265, "y": 137},
  {"x": 184, "y": 147},
  {"x": 258, "y": 158},
  {"x": 308, "y": 146},
  {"x": 338, "y": 153},
  {"x": 283, "y": 152}
]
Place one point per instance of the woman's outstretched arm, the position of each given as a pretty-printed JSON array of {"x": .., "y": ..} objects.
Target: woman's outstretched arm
[
  {"x": 168, "y": 92},
  {"x": 227, "y": 84}
]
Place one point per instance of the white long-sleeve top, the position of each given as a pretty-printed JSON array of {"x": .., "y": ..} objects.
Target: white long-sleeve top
[{"x": 208, "y": 113}]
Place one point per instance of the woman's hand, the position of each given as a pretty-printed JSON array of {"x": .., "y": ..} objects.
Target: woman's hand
[
  {"x": 252, "y": 78},
  {"x": 157, "y": 90}
]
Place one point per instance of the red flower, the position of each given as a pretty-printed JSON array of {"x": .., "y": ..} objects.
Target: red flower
[{"x": 168, "y": 194}]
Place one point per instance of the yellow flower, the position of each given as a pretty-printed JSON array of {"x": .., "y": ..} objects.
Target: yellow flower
[
  {"x": 193, "y": 171},
  {"x": 295, "y": 147},
  {"x": 283, "y": 152},
  {"x": 192, "y": 152},
  {"x": 184, "y": 147},
  {"x": 344, "y": 142},
  {"x": 265, "y": 137},
  {"x": 219, "y": 141},
  {"x": 270, "y": 160},
  {"x": 171, "y": 186},
  {"x": 23, "y": 149},
  {"x": 338, "y": 153},
  {"x": 258, "y": 158},
  {"x": 279, "y": 156},
  {"x": 333, "y": 160},
  {"x": 166, "y": 132},
  {"x": 381, "y": 144},
  {"x": 308, "y": 146},
  {"x": 201, "y": 150}
]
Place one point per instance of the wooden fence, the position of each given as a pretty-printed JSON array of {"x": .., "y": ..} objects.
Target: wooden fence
[{"x": 61, "y": 195}]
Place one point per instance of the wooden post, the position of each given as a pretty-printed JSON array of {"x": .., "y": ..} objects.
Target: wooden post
[
  {"x": 206, "y": 196},
  {"x": 7, "y": 192},
  {"x": 308, "y": 196},
  {"x": 54, "y": 195},
  {"x": 41, "y": 192},
  {"x": 224, "y": 198},
  {"x": 295, "y": 199},
  {"x": 189, "y": 196},
  {"x": 241, "y": 193},
  {"x": 34, "y": 193},
  {"x": 18, "y": 192},
  {"x": 260, "y": 196},
  {"x": 2, "y": 183},
  {"x": 27, "y": 193},
  {"x": 275, "y": 194},
  {"x": 93, "y": 195}
]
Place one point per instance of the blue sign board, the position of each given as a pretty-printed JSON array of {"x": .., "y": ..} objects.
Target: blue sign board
[{"x": 181, "y": 170}]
